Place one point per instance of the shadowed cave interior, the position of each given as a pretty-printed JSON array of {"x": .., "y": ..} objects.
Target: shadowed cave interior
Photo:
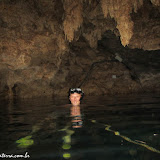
[
  {"x": 104, "y": 47},
  {"x": 110, "y": 49}
]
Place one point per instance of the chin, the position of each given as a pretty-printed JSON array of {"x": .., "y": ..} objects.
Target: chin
[{"x": 76, "y": 104}]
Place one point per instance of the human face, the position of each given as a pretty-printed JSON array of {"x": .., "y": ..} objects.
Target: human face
[{"x": 75, "y": 99}]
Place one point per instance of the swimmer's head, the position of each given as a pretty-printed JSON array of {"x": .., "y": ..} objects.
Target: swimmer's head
[
  {"x": 75, "y": 95},
  {"x": 76, "y": 90}
]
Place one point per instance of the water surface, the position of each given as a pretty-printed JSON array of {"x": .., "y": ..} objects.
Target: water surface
[{"x": 119, "y": 127}]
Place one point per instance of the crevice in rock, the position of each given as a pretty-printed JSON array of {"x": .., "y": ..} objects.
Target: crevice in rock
[{"x": 14, "y": 90}]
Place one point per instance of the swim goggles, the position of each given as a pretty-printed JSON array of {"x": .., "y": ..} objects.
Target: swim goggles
[{"x": 77, "y": 90}]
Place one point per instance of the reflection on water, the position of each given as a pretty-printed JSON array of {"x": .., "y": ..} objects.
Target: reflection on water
[
  {"x": 76, "y": 117},
  {"x": 123, "y": 128}
]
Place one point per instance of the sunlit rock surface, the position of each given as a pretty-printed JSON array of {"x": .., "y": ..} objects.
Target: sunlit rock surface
[{"x": 105, "y": 47}]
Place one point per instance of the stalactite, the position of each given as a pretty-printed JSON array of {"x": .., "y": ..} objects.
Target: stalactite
[
  {"x": 73, "y": 17},
  {"x": 120, "y": 10},
  {"x": 156, "y": 2}
]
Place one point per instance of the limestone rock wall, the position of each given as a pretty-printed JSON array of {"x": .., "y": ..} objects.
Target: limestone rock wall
[
  {"x": 49, "y": 46},
  {"x": 32, "y": 44}
]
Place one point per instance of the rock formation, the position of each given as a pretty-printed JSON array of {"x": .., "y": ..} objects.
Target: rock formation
[{"x": 104, "y": 46}]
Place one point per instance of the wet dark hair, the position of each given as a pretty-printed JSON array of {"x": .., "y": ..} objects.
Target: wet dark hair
[{"x": 76, "y": 90}]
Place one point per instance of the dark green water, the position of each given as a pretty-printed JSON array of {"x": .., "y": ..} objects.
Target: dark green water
[{"x": 134, "y": 132}]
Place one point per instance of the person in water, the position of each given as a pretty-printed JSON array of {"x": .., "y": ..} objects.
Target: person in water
[{"x": 75, "y": 97}]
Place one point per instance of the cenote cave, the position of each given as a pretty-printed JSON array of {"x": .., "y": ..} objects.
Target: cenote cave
[{"x": 108, "y": 49}]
